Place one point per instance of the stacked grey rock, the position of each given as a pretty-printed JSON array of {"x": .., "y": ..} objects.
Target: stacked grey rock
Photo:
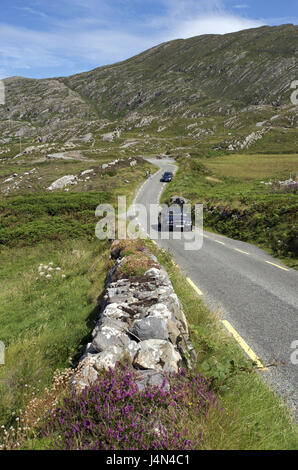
[{"x": 141, "y": 322}]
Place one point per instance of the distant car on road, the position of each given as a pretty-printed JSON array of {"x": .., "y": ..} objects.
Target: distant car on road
[
  {"x": 167, "y": 177},
  {"x": 174, "y": 218}
]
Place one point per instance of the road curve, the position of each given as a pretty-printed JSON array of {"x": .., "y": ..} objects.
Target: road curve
[{"x": 254, "y": 292}]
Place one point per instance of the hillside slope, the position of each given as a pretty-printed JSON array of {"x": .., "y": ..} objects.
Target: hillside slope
[
  {"x": 254, "y": 66},
  {"x": 209, "y": 75}
]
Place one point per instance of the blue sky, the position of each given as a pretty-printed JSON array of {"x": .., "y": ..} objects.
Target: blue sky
[{"x": 42, "y": 38}]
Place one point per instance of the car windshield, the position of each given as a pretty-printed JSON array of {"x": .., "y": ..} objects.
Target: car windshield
[{"x": 177, "y": 214}]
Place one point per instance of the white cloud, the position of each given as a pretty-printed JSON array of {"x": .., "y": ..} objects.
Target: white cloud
[
  {"x": 73, "y": 44},
  {"x": 187, "y": 18},
  {"x": 190, "y": 8},
  {"x": 213, "y": 24},
  {"x": 23, "y": 49}
]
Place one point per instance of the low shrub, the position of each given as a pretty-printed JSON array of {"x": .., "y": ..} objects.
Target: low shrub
[
  {"x": 268, "y": 224},
  {"x": 113, "y": 414},
  {"x": 135, "y": 265},
  {"x": 27, "y": 220}
]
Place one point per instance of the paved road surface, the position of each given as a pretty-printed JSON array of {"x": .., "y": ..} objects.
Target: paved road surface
[{"x": 256, "y": 293}]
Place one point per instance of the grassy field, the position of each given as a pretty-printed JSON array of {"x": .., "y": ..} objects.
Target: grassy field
[
  {"x": 254, "y": 167},
  {"x": 237, "y": 201},
  {"x": 47, "y": 314}
]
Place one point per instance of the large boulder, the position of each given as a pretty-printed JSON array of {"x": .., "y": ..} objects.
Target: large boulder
[
  {"x": 173, "y": 304},
  {"x": 158, "y": 355},
  {"x": 109, "y": 358},
  {"x": 174, "y": 332},
  {"x": 150, "y": 328},
  {"x": 113, "y": 323},
  {"x": 110, "y": 336},
  {"x": 87, "y": 138},
  {"x": 119, "y": 294},
  {"x": 62, "y": 182},
  {"x": 160, "y": 310},
  {"x": 116, "y": 311}
]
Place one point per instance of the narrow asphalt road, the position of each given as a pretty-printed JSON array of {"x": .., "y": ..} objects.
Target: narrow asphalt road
[{"x": 254, "y": 292}]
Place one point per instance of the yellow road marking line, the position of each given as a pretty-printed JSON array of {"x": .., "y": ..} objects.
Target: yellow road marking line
[
  {"x": 194, "y": 286},
  {"x": 241, "y": 251},
  {"x": 280, "y": 267},
  {"x": 221, "y": 243},
  {"x": 243, "y": 345}
]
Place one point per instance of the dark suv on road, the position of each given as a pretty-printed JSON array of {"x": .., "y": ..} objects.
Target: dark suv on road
[
  {"x": 167, "y": 177},
  {"x": 174, "y": 218}
]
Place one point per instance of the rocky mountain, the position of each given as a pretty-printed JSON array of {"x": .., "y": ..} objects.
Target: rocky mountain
[{"x": 209, "y": 75}]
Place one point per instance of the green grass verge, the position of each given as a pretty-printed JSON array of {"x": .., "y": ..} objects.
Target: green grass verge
[{"x": 44, "y": 322}]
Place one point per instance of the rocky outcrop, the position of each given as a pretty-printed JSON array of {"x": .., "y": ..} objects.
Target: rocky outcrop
[
  {"x": 62, "y": 182},
  {"x": 141, "y": 322},
  {"x": 251, "y": 139},
  {"x": 111, "y": 136}
]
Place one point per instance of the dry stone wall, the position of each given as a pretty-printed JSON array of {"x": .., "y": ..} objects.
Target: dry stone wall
[{"x": 141, "y": 322}]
